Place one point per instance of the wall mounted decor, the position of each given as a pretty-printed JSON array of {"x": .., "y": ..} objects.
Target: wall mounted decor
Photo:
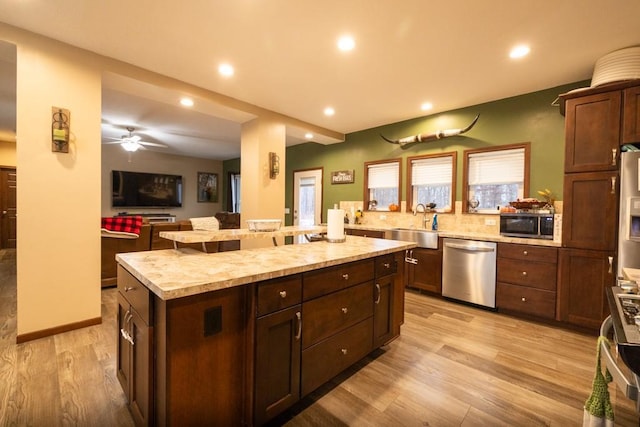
[
  {"x": 207, "y": 187},
  {"x": 424, "y": 137},
  {"x": 342, "y": 177},
  {"x": 274, "y": 165},
  {"x": 60, "y": 122}
]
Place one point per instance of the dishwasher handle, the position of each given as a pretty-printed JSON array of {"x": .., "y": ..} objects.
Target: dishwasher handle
[
  {"x": 628, "y": 386},
  {"x": 470, "y": 248}
]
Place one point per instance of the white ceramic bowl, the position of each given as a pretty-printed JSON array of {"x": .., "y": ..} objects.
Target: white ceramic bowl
[{"x": 264, "y": 224}]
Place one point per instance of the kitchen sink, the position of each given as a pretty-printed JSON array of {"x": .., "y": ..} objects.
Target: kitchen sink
[{"x": 424, "y": 238}]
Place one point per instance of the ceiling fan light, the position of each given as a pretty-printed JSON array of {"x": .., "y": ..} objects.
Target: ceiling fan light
[{"x": 130, "y": 145}]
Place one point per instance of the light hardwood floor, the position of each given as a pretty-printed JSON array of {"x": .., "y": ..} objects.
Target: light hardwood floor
[{"x": 453, "y": 365}]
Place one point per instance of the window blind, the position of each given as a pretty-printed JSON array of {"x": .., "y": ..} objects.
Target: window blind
[
  {"x": 432, "y": 171},
  {"x": 383, "y": 175},
  {"x": 496, "y": 167}
]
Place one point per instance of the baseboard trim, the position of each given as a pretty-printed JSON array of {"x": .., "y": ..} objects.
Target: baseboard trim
[{"x": 57, "y": 330}]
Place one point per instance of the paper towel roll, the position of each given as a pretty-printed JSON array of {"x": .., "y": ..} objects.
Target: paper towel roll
[{"x": 335, "y": 225}]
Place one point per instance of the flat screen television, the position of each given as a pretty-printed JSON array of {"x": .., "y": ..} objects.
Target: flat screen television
[{"x": 146, "y": 190}]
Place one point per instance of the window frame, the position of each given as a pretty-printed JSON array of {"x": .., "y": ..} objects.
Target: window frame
[
  {"x": 465, "y": 171},
  {"x": 454, "y": 163},
  {"x": 366, "y": 182}
]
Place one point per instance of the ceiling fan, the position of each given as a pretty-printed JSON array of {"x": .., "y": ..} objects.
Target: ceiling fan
[{"x": 133, "y": 142}]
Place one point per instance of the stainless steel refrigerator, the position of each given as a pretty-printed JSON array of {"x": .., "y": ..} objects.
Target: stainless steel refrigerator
[{"x": 629, "y": 219}]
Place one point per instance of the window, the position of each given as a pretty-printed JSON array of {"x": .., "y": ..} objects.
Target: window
[
  {"x": 431, "y": 179},
  {"x": 382, "y": 184},
  {"x": 495, "y": 176}
]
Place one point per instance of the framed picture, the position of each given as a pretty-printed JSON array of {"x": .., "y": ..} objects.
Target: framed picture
[{"x": 207, "y": 187}]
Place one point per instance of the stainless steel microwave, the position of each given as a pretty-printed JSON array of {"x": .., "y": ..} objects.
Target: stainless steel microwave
[{"x": 528, "y": 225}]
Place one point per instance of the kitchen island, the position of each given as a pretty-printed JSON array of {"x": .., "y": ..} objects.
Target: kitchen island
[{"x": 235, "y": 338}]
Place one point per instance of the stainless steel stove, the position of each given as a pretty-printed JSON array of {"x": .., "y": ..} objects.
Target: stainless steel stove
[{"x": 624, "y": 364}]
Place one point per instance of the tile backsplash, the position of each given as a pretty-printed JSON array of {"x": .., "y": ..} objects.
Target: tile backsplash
[{"x": 458, "y": 221}]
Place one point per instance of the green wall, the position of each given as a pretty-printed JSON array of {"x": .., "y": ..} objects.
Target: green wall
[{"x": 525, "y": 118}]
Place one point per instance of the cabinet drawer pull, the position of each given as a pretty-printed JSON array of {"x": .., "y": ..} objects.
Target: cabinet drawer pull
[
  {"x": 345, "y": 310},
  {"x": 524, "y": 273},
  {"x": 525, "y": 252},
  {"x": 344, "y": 351},
  {"x": 345, "y": 276},
  {"x": 613, "y": 185},
  {"x": 613, "y": 156},
  {"x": 610, "y": 271},
  {"x": 299, "y": 320},
  {"x": 128, "y": 288},
  {"x": 283, "y": 294},
  {"x": 524, "y": 299},
  {"x": 378, "y": 293},
  {"x": 387, "y": 265}
]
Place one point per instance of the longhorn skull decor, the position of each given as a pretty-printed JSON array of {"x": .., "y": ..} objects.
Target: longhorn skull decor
[{"x": 424, "y": 137}]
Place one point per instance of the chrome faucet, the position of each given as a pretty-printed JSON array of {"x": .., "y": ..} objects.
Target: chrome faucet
[{"x": 425, "y": 220}]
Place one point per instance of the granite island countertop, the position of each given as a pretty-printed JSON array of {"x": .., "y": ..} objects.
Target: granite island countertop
[{"x": 176, "y": 273}]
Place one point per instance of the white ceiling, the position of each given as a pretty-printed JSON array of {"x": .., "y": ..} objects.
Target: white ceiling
[{"x": 453, "y": 53}]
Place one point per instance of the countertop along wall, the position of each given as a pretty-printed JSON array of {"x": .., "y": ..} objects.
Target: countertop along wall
[{"x": 525, "y": 118}]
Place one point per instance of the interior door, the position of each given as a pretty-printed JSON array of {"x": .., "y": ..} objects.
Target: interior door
[
  {"x": 8, "y": 210},
  {"x": 307, "y": 197}
]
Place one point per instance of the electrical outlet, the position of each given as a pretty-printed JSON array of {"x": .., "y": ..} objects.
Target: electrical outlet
[{"x": 489, "y": 221}]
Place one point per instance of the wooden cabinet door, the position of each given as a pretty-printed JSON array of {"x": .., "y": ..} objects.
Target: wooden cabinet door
[
  {"x": 383, "y": 311},
  {"x": 123, "y": 363},
  {"x": 427, "y": 273},
  {"x": 590, "y": 211},
  {"x": 592, "y": 132},
  {"x": 278, "y": 353},
  {"x": 134, "y": 363},
  {"x": 141, "y": 388},
  {"x": 631, "y": 116},
  {"x": 584, "y": 275}
]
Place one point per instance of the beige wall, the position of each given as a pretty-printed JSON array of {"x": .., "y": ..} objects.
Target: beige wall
[
  {"x": 59, "y": 195},
  {"x": 58, "y": 254},
  {"x": 262, "y": 197},
  {"x": 7, "y": 153},
  {"x": 115, "y": 158}
]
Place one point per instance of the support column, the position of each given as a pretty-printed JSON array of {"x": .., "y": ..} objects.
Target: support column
[{"x": 262, "y": 197}]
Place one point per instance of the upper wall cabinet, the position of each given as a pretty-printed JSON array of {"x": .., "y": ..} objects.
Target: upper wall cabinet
[
  {"x": 631, "y": 118},
  {"x": 598, "y": 121},
  {"x": 592, "y": 132}
]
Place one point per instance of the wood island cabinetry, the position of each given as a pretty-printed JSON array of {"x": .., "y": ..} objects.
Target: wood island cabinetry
[
  {"x": 241, "y": 355},
  {"x": 135, "y": 344}
]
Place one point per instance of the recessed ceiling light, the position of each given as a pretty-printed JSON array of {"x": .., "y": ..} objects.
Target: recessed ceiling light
[
  {"x": 329, "y": 111},
  {"x": 308, "y": 135},
  {"x": 226, "y": 70},
  {"x": 186, "y": 102},
  {"x": 519, "y": 51},
  {"x": 426, "y": 106},
  {"x": 346, "y": 43}
]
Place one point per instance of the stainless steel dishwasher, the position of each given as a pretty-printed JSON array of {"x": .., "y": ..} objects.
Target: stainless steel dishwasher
[{"x": 469, "y": 271}]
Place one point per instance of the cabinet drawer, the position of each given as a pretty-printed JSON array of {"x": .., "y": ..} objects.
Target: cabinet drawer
[
  {"x": 528, "y": 252},
  {"x": 320, "y": 282},
  {"x": 276, "y": 294},
  {"x": 366, "y": 233},
  {"x": 385, "y": 265},
  {"x": 135, "y": 293},
  {"x": 328, "y": 358},
  {"x": 532, "y": 301},
  {"x": 540, "y": 275},
  {"x": 323, "y": 317}
]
